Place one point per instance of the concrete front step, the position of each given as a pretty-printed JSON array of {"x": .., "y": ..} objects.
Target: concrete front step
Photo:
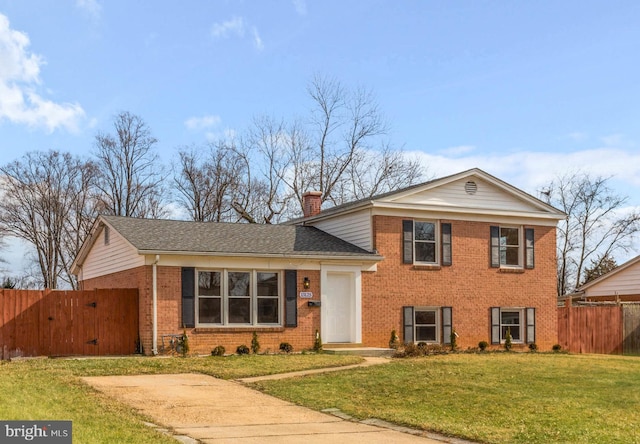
[{"x": 355, "y": 349}]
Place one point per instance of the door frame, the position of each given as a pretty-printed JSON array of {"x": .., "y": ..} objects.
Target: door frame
[{"x": 355, "y": 297}]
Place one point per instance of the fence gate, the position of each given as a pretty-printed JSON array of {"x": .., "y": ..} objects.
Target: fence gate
[
  {"x": 631, "y": 319},
  {"x": 65, "y": 323}
]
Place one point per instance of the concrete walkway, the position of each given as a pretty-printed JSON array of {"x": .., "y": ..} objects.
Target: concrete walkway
[{"x": 197, "y": 408}]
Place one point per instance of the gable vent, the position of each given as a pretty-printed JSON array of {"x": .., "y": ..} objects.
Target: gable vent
[{"x": 470, "y": 187}]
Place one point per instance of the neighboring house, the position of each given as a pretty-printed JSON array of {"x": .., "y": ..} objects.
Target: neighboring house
[
  {"x": 620, "y": 284},
  {"x": 467, "y": 252}
]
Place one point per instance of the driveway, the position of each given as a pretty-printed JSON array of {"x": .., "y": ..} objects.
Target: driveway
[{"x": 203, "y": 409}]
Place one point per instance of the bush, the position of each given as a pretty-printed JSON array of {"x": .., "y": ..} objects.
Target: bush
[
  {"x": 453, "y": 339},
  {"x": 482, "y": 345},
  {"x": 242, "y": 350},
  {"x": 556, "y": 348},
  {"x": 412, "y": 350},
  {"x": 394, "y": 341},
  {"x": 533, "y": 347},
  {"x": 218, "y": 351},
  {"x": 317, "y": 343},
  {"x": 184, "y": 341},
  {"x": 285, "y": 347},
  {"x": 508, "y": 340},
  {"x": 255, "y": 344}
]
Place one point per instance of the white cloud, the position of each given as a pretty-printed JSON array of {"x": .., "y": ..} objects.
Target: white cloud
[
  {"x": 19, "y": 77},
  {"x": 225, "y": 29},
  {"x": 237, "y": 27},
  {"x": 204, "y": 122},
  {"x": 531, "y": 171},
  {"x": 457, "y": 150},
  {"x": 91, "y": 7},
  {"x": 301, "y": 6},
  {"x": 257, "y": 40}
]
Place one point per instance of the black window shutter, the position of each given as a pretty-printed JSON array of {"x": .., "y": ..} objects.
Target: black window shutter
[
  {"x": 531, "y": 325},
  {"x": 529, "y": 257},
  {"x": 291, "y": 298},
  {"x": 407, "y": 313},
  {"x": 447, "y": 324},
  {"x": 495, "y": 247},
  {"x": 445, "y": 229},
  {"x": 188, "y": 297},
  {"x": 407, "y": 242},
  {"x": 495, "y": 325}
]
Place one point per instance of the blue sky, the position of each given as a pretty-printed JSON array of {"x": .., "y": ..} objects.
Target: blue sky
[{"x": 523, "y": 90}]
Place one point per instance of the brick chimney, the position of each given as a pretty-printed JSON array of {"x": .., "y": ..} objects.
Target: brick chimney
[{"x": 311, "y": 201}]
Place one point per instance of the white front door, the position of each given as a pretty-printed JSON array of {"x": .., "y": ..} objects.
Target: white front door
[{"x": 338, "y": 308}]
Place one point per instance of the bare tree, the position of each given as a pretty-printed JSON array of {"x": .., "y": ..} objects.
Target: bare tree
[
  {"x": 129, "y": 172},
  {"x": 207, "y": 181},
  {"x": 47, "y": 203},
  {"x": 597, "y": 224}
]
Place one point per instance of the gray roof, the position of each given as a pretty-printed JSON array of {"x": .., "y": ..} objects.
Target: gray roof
[{"x": 157, "y": 235}]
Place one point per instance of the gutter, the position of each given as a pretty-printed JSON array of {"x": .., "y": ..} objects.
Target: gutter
[{"x": 154, "y": 347}]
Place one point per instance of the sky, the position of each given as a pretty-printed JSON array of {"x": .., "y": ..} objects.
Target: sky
[{"x": 526, "y": 91}]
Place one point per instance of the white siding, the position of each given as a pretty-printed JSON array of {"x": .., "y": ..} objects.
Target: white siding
[
  {"x": 624, "y": 282},
  {"x": 353, "y": 227},
  {"x": 103, "y": 259},
  {"x": 487, "y": 196}
]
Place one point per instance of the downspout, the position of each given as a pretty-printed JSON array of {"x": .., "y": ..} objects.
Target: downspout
[{"x": 154, "y": 348}]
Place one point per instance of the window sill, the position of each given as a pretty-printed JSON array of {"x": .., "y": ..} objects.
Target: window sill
[
  {"x": 511, "y": 270},
  {"x": 425, "y": 267},
  {"x": 242, "y": 329}
]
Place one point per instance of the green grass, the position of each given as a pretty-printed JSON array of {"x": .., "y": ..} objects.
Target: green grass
[
  {"x": 493, "y": 398},
  {"x": 51, "y": 389}
]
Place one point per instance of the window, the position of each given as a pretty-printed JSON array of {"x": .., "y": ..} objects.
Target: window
[
  {"x": 426, "y": 242},
  {"x": 509, "y": 248},
  {"x": 427, "y": 324},
  {"x": 513, "y": 320},
  {"x": 226, "y": 297}
]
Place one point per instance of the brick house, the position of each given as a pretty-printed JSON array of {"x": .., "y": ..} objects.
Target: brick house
[{"x": 467, "y": 252}]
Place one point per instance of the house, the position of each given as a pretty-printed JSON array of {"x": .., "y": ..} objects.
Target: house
[
  {"x": 622, "y": 284},
  {"x": 467, "y": 253}
]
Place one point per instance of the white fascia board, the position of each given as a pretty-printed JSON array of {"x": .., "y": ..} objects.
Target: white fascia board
[
  {"x": 372, "y": 258},
  {"x": 471, "y": 214}
]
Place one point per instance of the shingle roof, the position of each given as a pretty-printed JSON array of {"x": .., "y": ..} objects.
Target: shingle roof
[{"x": 157, "y": 235}]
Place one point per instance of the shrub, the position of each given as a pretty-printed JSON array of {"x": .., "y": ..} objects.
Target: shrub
[
  {"x": 533, "y": 347},
  {"x": 184, "y": 340},
  {"x": 317, "y": 343},
  {"x": 556, "y": 348},
  {"x": 454, "y": 339},
  {"x": 218, "y": 351},
  {"x": 255, "y": 344},
  {"x": 285, "y": 347},
  {"x": 507, "y": 340},
  {"x": 242, "y": 350},
  {"x": 482, "y": 345},
  {"x": 394, "y": 342}
]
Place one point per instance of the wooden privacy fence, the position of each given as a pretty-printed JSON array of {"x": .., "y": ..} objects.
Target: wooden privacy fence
[
  {"x": 608, "y": 329},
  {"x": 65, "y": 323}
]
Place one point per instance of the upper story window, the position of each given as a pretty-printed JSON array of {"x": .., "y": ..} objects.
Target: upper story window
[
  {"x": 426, "y": 242},
  {"x": 512, "y": 247},
  {"x": 425, "y": 250}
]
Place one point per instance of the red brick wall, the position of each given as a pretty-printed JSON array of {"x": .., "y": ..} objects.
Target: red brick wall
[
  {"x": 203, "y": 340},
  {"x": 470, "y": 285}
]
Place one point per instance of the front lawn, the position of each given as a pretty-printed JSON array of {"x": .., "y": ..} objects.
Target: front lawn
[
  {"x": 50, "y": 389},
  {"x": 493, "y": 397}
]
